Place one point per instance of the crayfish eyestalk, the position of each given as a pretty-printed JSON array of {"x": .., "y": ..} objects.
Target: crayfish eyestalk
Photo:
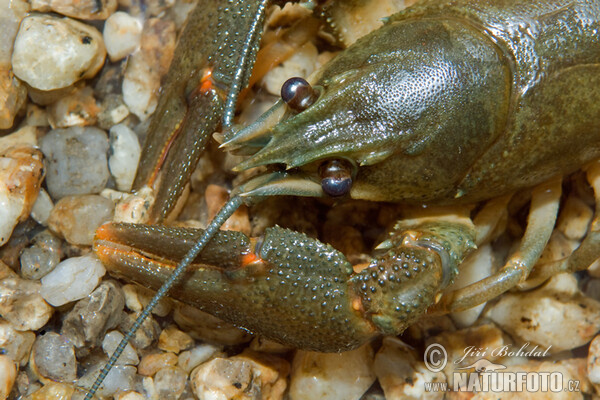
[{"x": 398, "y": 286}]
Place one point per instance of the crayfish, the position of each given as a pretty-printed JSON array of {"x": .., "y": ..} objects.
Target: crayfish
[{"x": 449, "y": 102}]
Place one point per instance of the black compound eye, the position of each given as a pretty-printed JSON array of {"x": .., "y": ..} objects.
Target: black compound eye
[
  {"x": 298, "y": 94},
  {"x": 336, "y": 177}
]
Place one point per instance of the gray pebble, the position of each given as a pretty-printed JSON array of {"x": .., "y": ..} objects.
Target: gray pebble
[
  {"x": 76, "y": 160},
  {"x": 54, "y": 357},
  {"x": 41, "y": 257}
]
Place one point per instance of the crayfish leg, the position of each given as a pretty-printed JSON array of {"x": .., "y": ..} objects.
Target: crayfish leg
[{"x": 540, "y": 224}]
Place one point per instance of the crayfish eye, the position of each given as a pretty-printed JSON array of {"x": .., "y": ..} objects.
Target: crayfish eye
[
  {"x": 336, "y": 177},
  {"x": 298, "y": 94}
]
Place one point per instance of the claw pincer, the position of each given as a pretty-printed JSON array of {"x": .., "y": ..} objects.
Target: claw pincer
[{"x": 289, "y": 287}]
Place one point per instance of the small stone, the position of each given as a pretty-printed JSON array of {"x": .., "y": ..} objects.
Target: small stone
[
  {"x": 122, "y": 35},
  {"x": 137, "y": 297},
  {"x": 21, "y": 303},
  {"x": 113, "y": 110},
  {"x": 41, "y": 258},
  {"x": 302, "y": 63},
  {"x": 575, "y": 218},
  {"x": 76, "y": 218},
  {"x": 42, "y": 207},
  {"x": 400, "y": 375},
  {"x": 36, "y": 116},
  {"x": 169, "y": 383},
  {"x": 72, "y": 279},
  {"x": 24, "y": 137},
  {"x": 151, "y": 363},
  {"x": 85, "y": 9},
  {"x": 110, "y": 343},
  {"x": 54, "y": 357},
  {"x": 21, "y": 174},
  {"x": 52, "y": 52},
  {"x": 76, "y": 161},
  {"x": 246, "y": 376},
  {"x": 92, "y": 316},
  {"x": 539, "y": 316},
  {"x": 13, "y": 95},
  {"x": 130, "y": 395},
  {"x": 190, "y": 359},
  {"x": 125, "y": 156},
  {"x": 53, "y": 391},
  {"x": 121, "y": 378},
  {"x": 12, "y": 12},
  {"x": 216, "y": 197},
  {"x": 145, "y": 335},
  {"x": 77, "y": 109},
  {"x": 173, "y": 340},
  {"x": 8, "y": 374},
  {"x": 332, "y": 376},
  {"x": 15, "y": 344},
  {"x": 593, "y": 361}
]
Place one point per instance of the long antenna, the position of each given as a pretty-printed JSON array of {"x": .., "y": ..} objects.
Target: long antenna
[{"x": 224, "y": 213}]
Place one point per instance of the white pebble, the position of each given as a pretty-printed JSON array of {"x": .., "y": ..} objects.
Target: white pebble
[
  {"x": 140, "y": 85},
  {"x": 575, "y": 217},
  {"x": 72, "y": 279},
  {"x": 125, "y": 155},
  {"x": 333, "y": 376},
  {"x": 593, "y": 361},
  {"x": 8, "y": 374},
  {"x": 122, "y": 34},
  {"x": 110, "y": 343},
  {"x": 190, "y": 359},
  {"x": 42, "y": 207},
  {"x": 52, "y": 52}
]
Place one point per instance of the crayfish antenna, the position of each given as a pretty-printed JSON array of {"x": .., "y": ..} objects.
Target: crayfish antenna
[{"x": 224, "y": 213}]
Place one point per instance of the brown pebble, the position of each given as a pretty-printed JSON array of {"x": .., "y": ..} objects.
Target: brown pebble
[
  {"x": 152, "y": 363},
  {"x": 173, "y": 340}
]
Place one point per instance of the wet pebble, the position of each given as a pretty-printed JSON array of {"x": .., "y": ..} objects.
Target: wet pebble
[
  {"x": 92, "y": 316},
  {"x": 169, "y": 383},
  {"x": 190, "y": 359},
  {"x": 54, "y": 357},
  {"x": 21, "y": 174},
  {"x": 76, "y": 160},
  {"x": 129, "y": 395},
  {"x": 21, "y": 303},
  {"x": 539, "y": 316},
  {"x": 137, "y": 297},
  {"x": 41, "y": 258},
  {"x": 146, "y": 334},
  {"x": 53, "y": 391},
  {"x": 575, "y": 217},
  {"x": 72, "y": 279},
  {"x": 13, "y": 95},
  {"x": 84, "y": 9},
  {"x": 42, "y": 207},
  {"x": 332, "y": 376},
  {"x": 125, "y": 153},
  {"x": 76, "y": 218},
  {"x": 240, "y": 377},
  {"x": 15, "y": 344},
  {"x": 77, "y": 109},
  {"x": 110, "y": 343},
  {"x": 121, "y": 378},
  {"x": 151, "y": 363},
  {"x": 593, "y": 361},
  {"x": 8, "y": 374},
  {"x": 173, "y": 340},
  {"x": 122, "y": 34},
  {"x": 52, "y": 52}
]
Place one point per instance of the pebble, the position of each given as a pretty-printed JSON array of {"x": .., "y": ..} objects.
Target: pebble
[
  {"x": 42, "y": 207},
  {"x": 476, "y": 267},
  {"x": 8, "y": 374},
  {"x": 124, "y": 157},
  {"x": 302, "y": 63},
  {"x": 173, "y": 340},
  {"x": 129, "y": 395},
  {"x": 246, "y": 376},
  {"x": 575, "y": 217},
  {"x": 216, "y": 197},
  {"x": 77, "y": 109},
  {"x": 13, "y": 95},
  {"x": 54, "y": 357},
  {"x": 21, "y": 303},
  {"x": 76, "y": 161},
  {"x": 15, "y": 344},
  {"x": 113, "y": 110},
  {"x": 23, "y": 137},
  {"x": 169, "y": 383},
  {"x": 151, "y": 363},
  {"x": 146, "y": 334},
  {"x": 593, "y": 361},
  {"x": 121, "y": 378},
  {"x": 110, "y": 343},
  {"x": 40, "y": 258},
  {"x": 84, "y": 9},
  {"x": 137, "y": 297},
  {"x": 400, "y": 375},
  {"x": 52, "y": 52},
  {"x": 53, "y": 391},
  {"x": 92, "y": 316},
  {"x": 539, "y": 316},
  {"x": 122, "y": 34},
  {"x": 72, "y": 279},
  {"x": 13, "y": 11},
  {"x": 36, "y": 116},
  {"x": 21, "y": 175},
  {"x": 333, "y": 376},
  {"x": 190, "y": 359},
  {"x": 76, "y": 218}
]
